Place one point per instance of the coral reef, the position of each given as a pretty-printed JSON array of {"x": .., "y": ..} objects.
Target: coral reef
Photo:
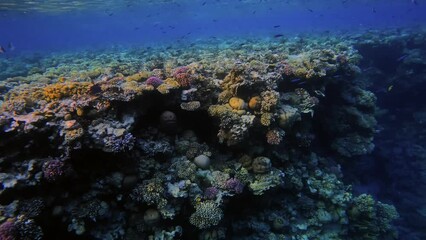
[{"x": 172, "y": 144}]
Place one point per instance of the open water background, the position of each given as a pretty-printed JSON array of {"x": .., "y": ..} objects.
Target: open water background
[{"x": 70, "y": 25}]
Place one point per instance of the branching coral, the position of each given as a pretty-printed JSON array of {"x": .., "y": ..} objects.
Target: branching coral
[{"x": 207, "y": 214}]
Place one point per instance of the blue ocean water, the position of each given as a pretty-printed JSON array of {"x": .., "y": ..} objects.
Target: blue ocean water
[
  {"x": 87, "y": 151},
  {"x": 47, "y": 25}
]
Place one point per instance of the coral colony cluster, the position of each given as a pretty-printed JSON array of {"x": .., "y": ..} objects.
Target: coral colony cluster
[{"x": 240, "y": 139}]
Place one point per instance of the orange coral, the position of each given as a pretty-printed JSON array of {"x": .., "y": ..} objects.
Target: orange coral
[
  {"x": 237, "y": 103},
  {"x": 254, "y": 103}
]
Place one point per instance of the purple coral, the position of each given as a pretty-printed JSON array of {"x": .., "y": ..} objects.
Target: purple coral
[
  {"x": 53, "y": 170},
  {"x": 8, "y": 230},
  {"x": 119, "y": 144},
  {"x": 211, "y": 192},
  {"x": 154, "y": 81},
  {"x": 235, "y": 185},
  {"x": 20, "y": 228}
]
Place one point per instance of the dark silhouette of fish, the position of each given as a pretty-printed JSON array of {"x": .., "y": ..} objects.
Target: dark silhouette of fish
[
  {"x": 278, "y": 35},
  {"x": 10, "y": 46},
  {"x": 402, "y": 58},
  {"x": 204, "y": 3},
  {"x": 277, "y": 26},
  {"x": 310, "y": 10},
  {"x": 2, "y": 50},
  {"x": 414, "y": 2}
]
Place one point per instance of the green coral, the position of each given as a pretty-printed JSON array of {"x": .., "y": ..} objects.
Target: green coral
[
  {"x": 264, "y": 182},
  {"x": 151, "y": 192},
  {"x": 369, "y": 219}
]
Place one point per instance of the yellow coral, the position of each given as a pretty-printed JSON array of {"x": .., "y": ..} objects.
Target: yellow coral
[
  {"x": 266, "y": 119},
  {"x": 219, "y": 110},
  {"x": 140, "y": 76},
  {"x": 59, "y": 91},
  {"x": 269, "y": 100},
  {"x": 132, "y": 87},
  {"x": 168, "y": 85},
  {"x": 224, "y": 96}
]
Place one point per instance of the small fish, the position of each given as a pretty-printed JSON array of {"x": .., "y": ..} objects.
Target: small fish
[
  {"x": 136, "y": 28},
  {"x": 390, "y": 88},
  {"x": 319, "y": 93},
  {"x": 295, "y": 80},
  {"x": 278, "y": 35},
  {"x": 301, "y": 83},
  {"x": 277, "y": 26},
  {"x": 367, "y": 69},
  {"x": 204, "y": 3},
  {"x": 2, "y": 50},
  {"x": 402, "y": 57},
  {"x": 373, "y": 10},
  {"x": 310, "y": 10},
  {"x": 414, "y": 2},
  {"x": 254, "y": 12}
]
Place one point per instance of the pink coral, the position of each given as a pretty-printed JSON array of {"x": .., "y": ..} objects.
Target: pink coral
[
  {"x": 53, "y": 169},
  {"x": 154, "y": 81},
  {"x": 274, "y": 137},
  {"x": 288, "y": 69},
  {"x": 183, "y": 76}
]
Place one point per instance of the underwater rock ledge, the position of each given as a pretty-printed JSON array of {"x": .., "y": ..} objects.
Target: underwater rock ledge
[{"x": 239, "y": 140}]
